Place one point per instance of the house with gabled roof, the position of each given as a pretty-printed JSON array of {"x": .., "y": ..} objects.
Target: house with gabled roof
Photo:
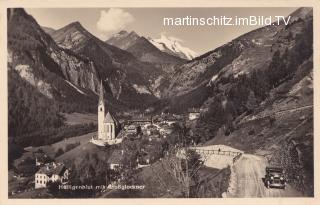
[
  {"x": 115, "y": 161},
  {"x": 51, "y": 172},
  {"x": 41, "y": 158},
  {"x": 194, "y": 113}
]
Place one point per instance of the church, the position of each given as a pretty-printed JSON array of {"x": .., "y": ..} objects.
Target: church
[{"x": 108, "y": 125}]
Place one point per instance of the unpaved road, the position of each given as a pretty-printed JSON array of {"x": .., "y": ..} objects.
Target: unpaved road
[{"x": 249, "y": 172}]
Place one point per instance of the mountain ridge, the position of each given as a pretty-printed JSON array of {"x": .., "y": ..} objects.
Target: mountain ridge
[
  {"x": 118, "y": 68},
  {"x": 142, "y": 48},
  {"x": 172, "y": 46},
  {"x": 41, "y": 46}
]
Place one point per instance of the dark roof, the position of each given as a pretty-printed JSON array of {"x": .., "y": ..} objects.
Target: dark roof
[
  {"x": 39, "y": 155},
  {"x": 109, "y": 118},
  {"x": 141, "y": 119},
  {"x": 170, "y": 118},
  {"x": 50, "y": 169},
  {"x": 101, "y": 98},
  {"x": 43, "y": 158},
  {"x": 274, "y": 169},
  {"x": 116, "y": 157},
  {"x": 194, "y": 110}
]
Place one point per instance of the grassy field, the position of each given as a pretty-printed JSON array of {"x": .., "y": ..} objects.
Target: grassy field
[
  {"x": 71, "y": 119},
  {"x": 52, "y": 149},
  {"x": 80, "y": 118},
  {"x": 77, "y": 154}
]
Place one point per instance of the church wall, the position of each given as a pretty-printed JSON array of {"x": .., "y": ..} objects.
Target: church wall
[
  {"x": 101, "y": 130},
  {"x": 110, "y": 131}
]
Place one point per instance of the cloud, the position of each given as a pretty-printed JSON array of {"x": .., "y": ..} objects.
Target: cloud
[{"x": 113, "y": 20}]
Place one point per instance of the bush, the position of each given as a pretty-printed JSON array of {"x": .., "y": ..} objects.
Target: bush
[
  {"x": 251, "y": 132},
  {"x": 27, "y": 167}
]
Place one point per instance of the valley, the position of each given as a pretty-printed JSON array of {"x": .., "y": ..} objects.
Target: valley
[{"x": 119, "y": 111}]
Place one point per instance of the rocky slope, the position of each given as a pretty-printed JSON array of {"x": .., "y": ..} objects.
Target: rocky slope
[
  {"x": 252, "y": 52},
  {"x": 280, "y": 129},
  {"x": 55, "y": 72},
  {"x": 256, "y": 94},
  {"x": 123, "y": 39},
  {"x": 121, "y": 72},
  {"x": 141, "y": 48},
  {"x": 48, "y": 30},
  {"x": 145, "y": 51}
]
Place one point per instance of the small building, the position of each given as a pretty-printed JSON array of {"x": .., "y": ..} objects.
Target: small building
[
  {"x": 153, "y": 132},
  {"x": 51, "y": 172},
  {"x": 169, "y": 119},
  {"x": 144, "y": 158},
  {"x": 148, "y": 155},
  {"x": 132, "y": 129},
  {"x": 193, "y": 114},
  {"x": 42, "y": 159},
  {"x": 170, "y": 122},
  {"x": 142, "y": 120},
  {"x": 166, "y": 130},
  {"x": 116, "y": 159}
]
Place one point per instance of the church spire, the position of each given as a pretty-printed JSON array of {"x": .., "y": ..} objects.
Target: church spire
[{"x": 101, "y": 98}]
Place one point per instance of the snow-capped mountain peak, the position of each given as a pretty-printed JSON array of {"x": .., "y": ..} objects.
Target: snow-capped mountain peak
[{"x": 172, "y": 46}]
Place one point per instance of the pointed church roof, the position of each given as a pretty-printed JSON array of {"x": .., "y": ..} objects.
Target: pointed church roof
[
  {"x": 110, "y": 118},
  {"x": 101, "y": 98}
]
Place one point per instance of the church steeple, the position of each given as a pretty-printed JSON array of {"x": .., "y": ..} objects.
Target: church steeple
[
  {"x": 101, "y": 113},
  {"x": 101, "y": 98},
  {"x": 107, "y": 124}
]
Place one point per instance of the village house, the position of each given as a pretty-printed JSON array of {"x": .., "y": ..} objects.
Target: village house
[
  {"x": 42, "y": 158},
  {"x": 132, "y": 129},
  {"x": 141, "y": 120},
  {"x": 51, "y": 172},
  {"x": 151, "y": 129},
  {"x": 193, "y": 113},
  {"x": 144, "y": 158},
  {"x": 169, "y": 119},
  {"x": 115, "y": 160},
  {"x": 166, "y": 130},
  {"x": 148, "y": 155}
]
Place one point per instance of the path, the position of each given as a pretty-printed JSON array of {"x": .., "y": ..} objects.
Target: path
[{"x": 248, "y": 180}]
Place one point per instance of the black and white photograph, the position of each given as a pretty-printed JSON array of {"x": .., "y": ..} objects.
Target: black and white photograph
[{"x": 160, "y": 102}]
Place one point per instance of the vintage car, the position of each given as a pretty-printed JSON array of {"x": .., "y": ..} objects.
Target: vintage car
[{"x": 275, "y": 177}]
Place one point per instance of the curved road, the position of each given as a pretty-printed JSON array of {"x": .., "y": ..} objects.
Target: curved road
[{"x": 247, "y": 180}]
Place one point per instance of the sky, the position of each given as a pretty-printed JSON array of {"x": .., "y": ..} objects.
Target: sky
[{"x": 148, "y": 22}]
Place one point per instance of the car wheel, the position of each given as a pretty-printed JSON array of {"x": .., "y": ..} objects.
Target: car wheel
[{"x": 268, "y": 184}]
